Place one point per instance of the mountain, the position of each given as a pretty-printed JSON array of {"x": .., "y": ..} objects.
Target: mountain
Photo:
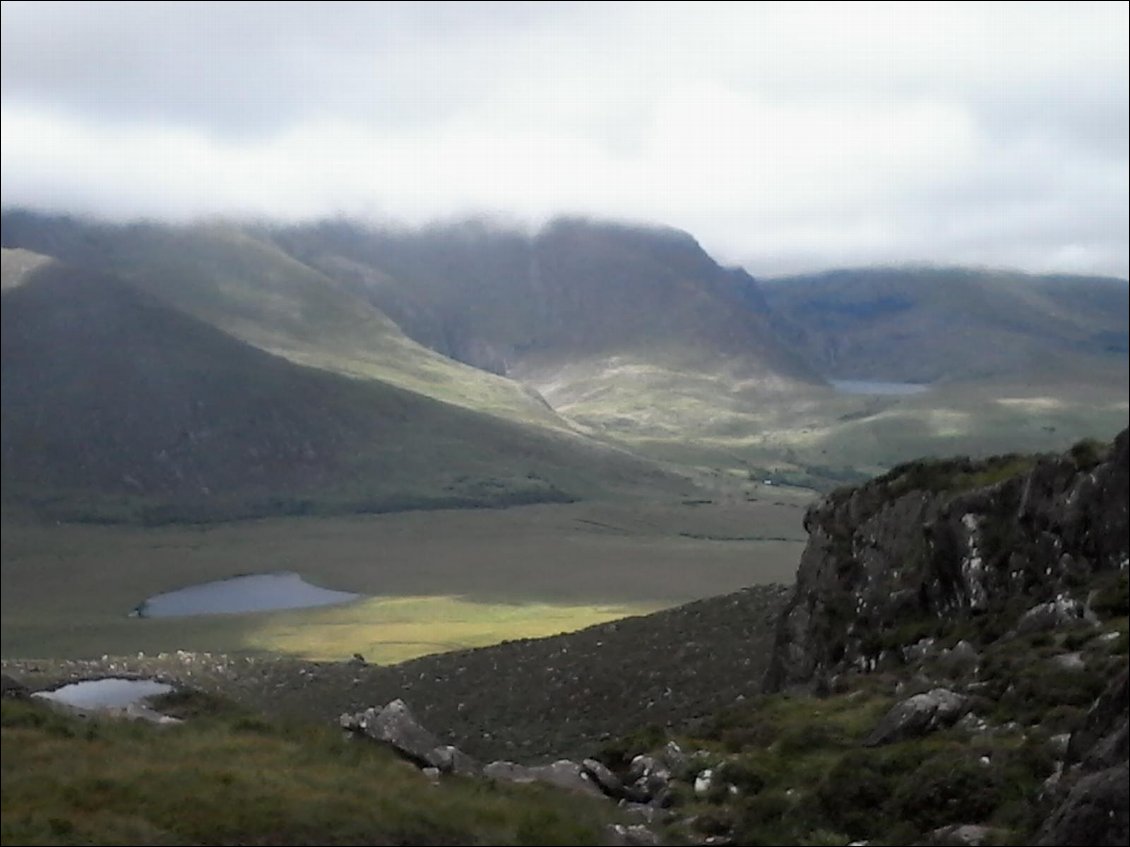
[
  {"x": 930, "y": 325},
  {"x": 633, "y": 336},
  {"x": 115, "y": 403},
  {"x": 633, "y": 333},
  {"x": 577, "y": 289},
  {"x": 224, "y": 275}
]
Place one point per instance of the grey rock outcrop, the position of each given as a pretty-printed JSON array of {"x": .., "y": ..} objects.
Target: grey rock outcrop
[
  {"x": 450, "y": 759},
  {"x": 926, "y": 543},
  {"x": 396, "y": 726},
  {"x": 609, "y": 783},
  {"x": 918, "y": 715},
  {"x": 1093, "y": 791},
  {"x": 649, "y": 778},
  {"x": 1061, "y": 612}
]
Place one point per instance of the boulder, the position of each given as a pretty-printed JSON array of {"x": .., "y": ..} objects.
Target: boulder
[
  {"x": 1061, "y": 612},
  {"x": 562, "y": 774},
  {"x": 648, "y": 776},
  {"x": 704, "y": 782},
  {"x": 609, "y": 783},
  {"x": 396, "y": 726},
  {"x": 962, "y": 659},
  {"x": 918, "y": 715},
  {"x": 675, "y": 758},
  {"x": 450, "y": 759}
]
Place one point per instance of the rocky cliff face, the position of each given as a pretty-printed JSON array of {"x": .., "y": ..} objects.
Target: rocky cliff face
[{"x": 984, "y": 546}]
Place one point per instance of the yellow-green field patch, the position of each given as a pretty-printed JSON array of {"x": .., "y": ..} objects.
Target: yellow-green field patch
[{"x": 394, "y": 629}]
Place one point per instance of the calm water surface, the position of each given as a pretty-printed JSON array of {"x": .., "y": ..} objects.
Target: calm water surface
[
  {"x": 109, "y": 693},
  {"x": 254, "y": 593}
]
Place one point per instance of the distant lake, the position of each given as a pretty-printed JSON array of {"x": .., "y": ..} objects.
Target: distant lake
[
  {"x": 109, "y": 693},
  {"x": 254, "y": 593},
  {"x": 866, "y": 386}
]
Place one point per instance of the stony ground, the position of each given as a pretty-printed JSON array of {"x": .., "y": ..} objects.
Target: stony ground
[{"x": 528, "y": 700}]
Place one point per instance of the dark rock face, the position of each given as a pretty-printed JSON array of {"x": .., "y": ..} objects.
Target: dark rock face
[
  {"x": 11, "y": 688},
  {"x": 931, "y": 540},
  {"x": 1094, "y": 794}
]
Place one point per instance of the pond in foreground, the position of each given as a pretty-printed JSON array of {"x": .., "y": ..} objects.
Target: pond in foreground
[
  {"x": 109, "y": 693},
  {"x": 254, "y": 593},
  {"x": 867, "y": 386}
]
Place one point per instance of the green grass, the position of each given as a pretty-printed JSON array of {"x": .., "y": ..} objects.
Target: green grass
[
  {"x": 819, "y": 438},
  {"x": 802, "y": 776},
  {"x": 517, "y": 572},
  {"x": 394, "y": 629},
  {"x": 230, "y": 778}
]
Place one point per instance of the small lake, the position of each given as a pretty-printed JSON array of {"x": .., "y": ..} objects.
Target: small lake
[
  {"x": 254, "y": 593},
  {"x": 866, "y": 386},
  {"x": 109, "y": 693}
]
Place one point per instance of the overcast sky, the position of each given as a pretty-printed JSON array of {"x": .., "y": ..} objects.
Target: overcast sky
[{"x": 784, "y": 137}]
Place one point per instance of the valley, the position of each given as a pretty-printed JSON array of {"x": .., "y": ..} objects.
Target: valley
[
  {"x": 432, "y": 580},
  {"x": 487, "y": 432}
]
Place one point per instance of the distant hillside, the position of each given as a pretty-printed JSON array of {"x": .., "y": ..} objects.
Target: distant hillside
[
  {"x": 577, "y": 289},
  {"x": 633, "y": 336},
  {"x": 633, "y": 333},
  {"x": 223, "y": 274},
  {"x": 108, "y": 391},
  {"x": 953, "y": 324}
]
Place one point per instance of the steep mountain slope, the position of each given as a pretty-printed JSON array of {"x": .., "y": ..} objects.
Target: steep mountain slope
[
  {"x": 108, "y": 391},
  {"x": 632, "y": 332},
  {"x": 222, "y": 274},
  {"x": 577, "y": 289},
  {"x": 951, "y": 544},
  {"x": 954, "y": 324}
]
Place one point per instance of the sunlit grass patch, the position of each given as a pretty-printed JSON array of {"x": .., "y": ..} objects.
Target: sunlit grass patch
[{"x": 395, "y": 629}]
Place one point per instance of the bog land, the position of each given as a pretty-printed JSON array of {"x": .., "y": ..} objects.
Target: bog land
[{"x": 433, "y": 581}]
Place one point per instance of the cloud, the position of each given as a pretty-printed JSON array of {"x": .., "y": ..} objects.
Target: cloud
[{"x": 787, "y": 137}]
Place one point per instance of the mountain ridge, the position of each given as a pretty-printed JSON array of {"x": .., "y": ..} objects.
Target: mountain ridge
[
  {"x": 635, "y": 338},
  {"x": 108, "y": 390}
]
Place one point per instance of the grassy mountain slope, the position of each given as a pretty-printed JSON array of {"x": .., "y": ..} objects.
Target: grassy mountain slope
[
  {"x": 953, "y": 324},
  {"x": 69, "y": 780},
  {"x": 108, "y": 391},
  {"x": 633, "y": 333},
  {"x": 225, "y": 276},
  {"x": 634, "y": 336}
]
